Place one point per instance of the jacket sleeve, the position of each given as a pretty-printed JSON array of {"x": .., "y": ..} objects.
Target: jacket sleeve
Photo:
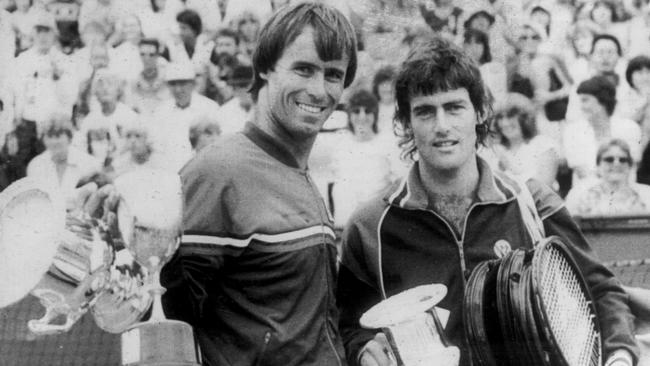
[
  {"x": 203, "y": 250},
  {"x": 616, "y": 319},
  {"x": 356, "y": 290}
]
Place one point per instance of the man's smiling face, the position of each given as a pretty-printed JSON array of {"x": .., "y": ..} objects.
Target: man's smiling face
[
  {"x": 444, "y": 128},
  {"x": 303, "y": 90}
]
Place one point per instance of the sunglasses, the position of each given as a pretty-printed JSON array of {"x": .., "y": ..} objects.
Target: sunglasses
[
  {"x": 358, "y": 110},
  {"x": 148, "y": 54},
  {"x": 620, "y": 159},
  {"x": 527, "y": 37}
]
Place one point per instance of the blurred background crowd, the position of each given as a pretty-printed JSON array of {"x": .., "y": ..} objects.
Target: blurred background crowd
[{"x": 91, "y": 89}]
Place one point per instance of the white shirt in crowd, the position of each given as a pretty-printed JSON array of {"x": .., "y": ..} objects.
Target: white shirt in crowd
[
  {"x": 581, "y": 145},
  {"x": 79, "y": 165},
  {"x": 121, "y": 117},
  {"x": 171, "y": 128},
  {"x": 232, "y": 117}
]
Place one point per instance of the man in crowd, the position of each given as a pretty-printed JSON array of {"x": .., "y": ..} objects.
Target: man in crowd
[
  {"x": 254, "y": 274},
  {"x": 148, "y": 91},
  {"x": 452, "y": 212},
  {"x": 172, "y": 121}
]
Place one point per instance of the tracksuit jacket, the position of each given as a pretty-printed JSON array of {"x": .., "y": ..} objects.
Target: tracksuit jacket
[
  {"x": 255, "y": 271},
  {"x": 397, "y": 242}
]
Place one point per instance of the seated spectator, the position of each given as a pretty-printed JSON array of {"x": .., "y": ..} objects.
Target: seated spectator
[
  {"x": 170, "y": 125},
  {"x": 637, "y": 101},
  {"x": 361, "y": 164},
  {"x": 99, "y": 59},
  {"x": 138, "y": 151},
  {"x": 604, "y": 15},
  {"x": 582, "y": 137},
  {"x": 477, "y": 45},
  {"x": 105, "y": 12},
  {"x": 192, "y": 45},
  {"x": 383, "y": 85},
  {"x": 22, "y": 20},
  {"x": 248, "y": 26},
  {"x": 611, "y": 193},
  {"x": 12, "y": 167},
  {"x": 60, "y": 163},
  {"x": 443, "y": 16},
  {"x": 220, "y": 70},
  {"x": 101, "y": 147},
  {"x": 204, "y": 131},
  {"x": 520, "y": 149},
  {"x": 127, "y": 53},
  {"x": 110, "y": 114},
  {"x": 235, "y": 112},
  {"x": 146, "y": 93}
]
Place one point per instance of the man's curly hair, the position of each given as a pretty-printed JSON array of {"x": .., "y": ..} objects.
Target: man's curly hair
[{"x": 436, "y": 65}]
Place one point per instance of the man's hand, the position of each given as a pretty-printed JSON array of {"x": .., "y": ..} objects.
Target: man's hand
[{"x": 377, "y": 352}]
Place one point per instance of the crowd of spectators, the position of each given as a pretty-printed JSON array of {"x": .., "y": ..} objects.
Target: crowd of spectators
[{"x": 103, "y": 87}]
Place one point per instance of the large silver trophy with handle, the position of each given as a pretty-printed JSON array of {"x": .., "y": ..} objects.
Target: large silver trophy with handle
[
  {"x": 67, "y": 260},
  {"x": 74, "y": 263},
  {"x": 150, "y": 225}
]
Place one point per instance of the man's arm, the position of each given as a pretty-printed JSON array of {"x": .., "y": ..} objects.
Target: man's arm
[
  {"x": 357, "y": 293},
  {"x": 191, "y": 273},
  {"x": 616, "y": 319}
]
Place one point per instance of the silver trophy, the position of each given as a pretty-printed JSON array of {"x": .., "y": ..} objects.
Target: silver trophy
[
  {"x": 65, "y": 259},
  {"x": 414, "y": 327},
  {"x": 149, "y": 217}
]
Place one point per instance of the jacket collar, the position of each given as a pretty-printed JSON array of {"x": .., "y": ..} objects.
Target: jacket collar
[
  {"x": 267, "y": 143},
  {"x": 492, "y": 188}
]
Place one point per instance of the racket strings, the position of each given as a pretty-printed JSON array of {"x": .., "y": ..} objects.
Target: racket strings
[{"x": 568, "y": 311}]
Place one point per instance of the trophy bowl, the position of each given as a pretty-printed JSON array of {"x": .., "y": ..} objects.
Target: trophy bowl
[{"x": 65, "y": 259}]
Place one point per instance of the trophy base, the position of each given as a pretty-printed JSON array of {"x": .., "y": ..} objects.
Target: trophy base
[{"x": 160, "y": 343}]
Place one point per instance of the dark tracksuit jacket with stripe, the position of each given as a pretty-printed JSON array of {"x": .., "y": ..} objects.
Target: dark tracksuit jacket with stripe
[
  {"x": 255, "y": 271},
  {"x": 396, "y": 242}
]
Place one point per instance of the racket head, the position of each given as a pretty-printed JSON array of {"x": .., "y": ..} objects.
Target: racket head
[{"x": 565, "y": 309}]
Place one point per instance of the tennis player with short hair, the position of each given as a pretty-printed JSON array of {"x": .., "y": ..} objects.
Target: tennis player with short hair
[{"x": 452, "y": 212}]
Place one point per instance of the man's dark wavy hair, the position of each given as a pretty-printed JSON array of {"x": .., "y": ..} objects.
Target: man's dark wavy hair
[
  {"x": 436, "y": 65},
  {"x": 333, "y": 35}
]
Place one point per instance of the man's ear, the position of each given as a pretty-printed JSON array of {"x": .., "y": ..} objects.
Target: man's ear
[{"x": 264, "y": 76}]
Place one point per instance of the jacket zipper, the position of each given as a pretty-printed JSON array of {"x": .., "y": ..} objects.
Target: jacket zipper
[
  {"x": 267, "y": 339},
  {"x": 460, "y": 243},
  {"x": 312, "y": 185}
]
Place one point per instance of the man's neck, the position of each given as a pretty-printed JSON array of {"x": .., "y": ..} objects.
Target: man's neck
[
  {"x": 299, "y": 147},
  {"x": 150, "y": 74},
  {"x": 459, "y": 182}
]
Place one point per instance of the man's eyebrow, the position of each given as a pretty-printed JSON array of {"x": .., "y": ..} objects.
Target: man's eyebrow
[
  {"x": 424, "y": 108},
  {"x": 455, "y": 102},
  {"x": 301, "y": 63}
]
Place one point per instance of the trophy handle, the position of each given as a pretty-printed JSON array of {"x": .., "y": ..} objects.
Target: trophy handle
[{"x": 55, "y": 306}]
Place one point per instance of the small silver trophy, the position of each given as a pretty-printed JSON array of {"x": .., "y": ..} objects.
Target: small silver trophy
[
  {"x": 414, "y": 327},
  {"x": 150, "y": 218}
]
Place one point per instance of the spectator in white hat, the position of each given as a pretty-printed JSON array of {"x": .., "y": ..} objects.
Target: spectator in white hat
[{"x": 174, "y": 117}]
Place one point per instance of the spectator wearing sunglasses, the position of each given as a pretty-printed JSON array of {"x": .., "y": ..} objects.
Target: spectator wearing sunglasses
[
  {"x": 612, "y": 193},
  {"x": 361, "y": 163},
  {"x": 583, "y": 136}
]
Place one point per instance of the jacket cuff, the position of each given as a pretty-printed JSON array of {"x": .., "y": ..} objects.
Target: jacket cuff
[{"x": 620, "y": 357}]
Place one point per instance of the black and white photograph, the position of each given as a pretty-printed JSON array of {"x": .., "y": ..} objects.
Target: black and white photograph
[{"x": 324, "y": 182}]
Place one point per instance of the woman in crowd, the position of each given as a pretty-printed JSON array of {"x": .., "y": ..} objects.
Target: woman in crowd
[
  {"x": 127, "y": 54},
  {"x": 612, "y": 192},
  {"x": 138, "y": 150},
  {"x": 520, "y": 149},
  {"x": 101, "y": 147},
  {"x": 637, "y": 101},
  {"x": 540, "y": 77},
  {"x": 583, "y": 136},
  {"x": 248, "y": 26},
  {"x": 604, "y": 15},
  {"x": 62, "y": 164},
  {"x": 382, "y": 88},
  {"x": 477, "y": 45},
  {"x": 362, "y": 167},
  {"x": 580, "y": 38}
]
